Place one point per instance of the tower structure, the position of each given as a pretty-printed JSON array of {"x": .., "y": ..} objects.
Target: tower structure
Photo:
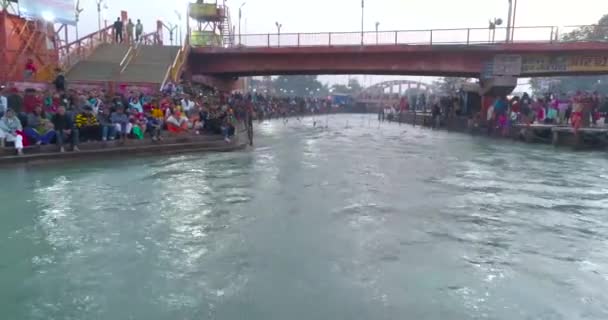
[{"x": 212, "y": 25}]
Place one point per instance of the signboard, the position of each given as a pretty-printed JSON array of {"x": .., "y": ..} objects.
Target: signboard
[
  {"x": 544, "y": 64},
  {"x": 507, "y": 65},
  {"x": 588, "y": 63},
  {"x": 578, "y": 63},
  {"x": 487, "y": 70},
  {"x": 60, "y": 11}
]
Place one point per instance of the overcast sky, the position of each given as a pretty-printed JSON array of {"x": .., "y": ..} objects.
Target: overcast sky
[{"x": 259, "y": 16}]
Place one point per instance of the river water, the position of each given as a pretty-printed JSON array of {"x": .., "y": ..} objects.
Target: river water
[{"x": 353, "y": 221}]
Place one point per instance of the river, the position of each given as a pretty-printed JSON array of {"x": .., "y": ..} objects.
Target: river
[{"x": 346, "y": 220}]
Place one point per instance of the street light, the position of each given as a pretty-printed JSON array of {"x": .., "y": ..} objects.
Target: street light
[
  {"x": 278, "y": 32},
  {"x": 492, "y": 29},
  {"x": 77, "y": 11},
  {"x": 179, "y": 18},
  {"x": 377, "y": 25},
  {"x": 171, "y": 28},
  {"x": 105, "y": 6},
  {"x": 513, "y": 22},
  {"x": 240, "y": 15},
  {"x": 362, "y": 15},
  {"x": 509, "y": 19}
]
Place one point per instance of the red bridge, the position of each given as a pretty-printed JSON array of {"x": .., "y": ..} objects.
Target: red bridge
[
  {"x": 533, "y": 51},
  {"x": 213, "y": 54},
  {"x": 537, "y": 59}
]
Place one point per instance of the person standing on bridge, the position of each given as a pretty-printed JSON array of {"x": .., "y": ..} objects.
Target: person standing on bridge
[
  {"x": 139, "y": 30},
  {"x": 118, "y": 30},
  {"x": 130, "y": 27}
]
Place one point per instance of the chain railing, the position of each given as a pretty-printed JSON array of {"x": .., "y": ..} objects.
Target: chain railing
[{"x": 464, "y": 36}]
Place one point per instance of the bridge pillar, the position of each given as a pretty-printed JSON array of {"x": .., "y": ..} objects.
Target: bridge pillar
[
  {"x": 498, "y": 85},
  {"x": 495, "y": 87}
]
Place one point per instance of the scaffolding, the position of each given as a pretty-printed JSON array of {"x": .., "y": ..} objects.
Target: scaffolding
[
  {"x": 28, "y": 40},
  {"x": 212, "y": 25}
]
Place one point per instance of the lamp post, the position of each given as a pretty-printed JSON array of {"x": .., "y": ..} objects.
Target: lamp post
[
  {"x": 279, "y": 26},
  {"x": 171, "y": 28},
  {"x": 377, "y": 25},
  {"x": 492, "y": 29},
  {"x": 362, "y": 15},
  {"x": 240, "y": 15},
  {"x": 179, "y": 18},
  {"x": 513, "y": 22},
  {"x": 99, "y": 14},
  {"x": 509, "y": 17},
  {"x": 77, "y": 12}
]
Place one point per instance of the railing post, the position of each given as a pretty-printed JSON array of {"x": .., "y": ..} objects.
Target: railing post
[
  {"x": 396, "y": 37},
  {"x": 468, "y": 36},
  {"x": 551, "y": 39},
  {"x": 298, "y": 39},
  {"x": 269, "y": 40},
  {"x": 431, "y": 37},
  {"x": 330, "y": 39}
]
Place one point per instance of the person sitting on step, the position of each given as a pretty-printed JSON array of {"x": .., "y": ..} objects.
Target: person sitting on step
[
  {"x": 121, "y": 120},
  {"x": 39, "y": 128},
  {"x": 65, "y": 130},
  {"x": 10, "y": 131},
  {"x": 177, "y": 123},
  {"x": 88, "y": 125}
]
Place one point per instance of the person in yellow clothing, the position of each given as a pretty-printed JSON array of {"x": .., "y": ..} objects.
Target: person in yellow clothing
[
  {"x": 157, "y": 113},
  {"x": 88, "y": 125}
]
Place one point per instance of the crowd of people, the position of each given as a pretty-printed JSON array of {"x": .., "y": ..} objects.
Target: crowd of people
[
  {"x": 68, "y": 117},
  {"x": 578, "y": 110},
  {"x": 269, "y": 107},
  {"x": 71, "y": 117}
]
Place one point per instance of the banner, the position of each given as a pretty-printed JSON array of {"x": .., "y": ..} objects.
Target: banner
[
  {"x": 507, "y": 65},
  {"x": 576, "y": 63},
  {"x": 60, "y": 11}
]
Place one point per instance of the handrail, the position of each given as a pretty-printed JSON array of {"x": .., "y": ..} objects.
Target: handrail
[
  {"x": 145, "y": 39},
  {"x": 128, "y": 58},
  {"x": 124, "y": 59},
  {"x": 90, "y": 35},
  {"x": 392, "y": 31},
  {"x": 178, "y": 62},
  {"x": 162, "y": 84},
  {"x": 468, "y": 36},
  {"x": 73, "y": 52}
]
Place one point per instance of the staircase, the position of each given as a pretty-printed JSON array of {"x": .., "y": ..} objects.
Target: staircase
[
  {"x": 226, "y": 29},
  {"x": 150, "y": 64},
  {"x": 102, "y": 65}
]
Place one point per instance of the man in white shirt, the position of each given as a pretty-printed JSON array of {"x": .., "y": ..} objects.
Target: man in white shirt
[{"x": 188, "y": 105}]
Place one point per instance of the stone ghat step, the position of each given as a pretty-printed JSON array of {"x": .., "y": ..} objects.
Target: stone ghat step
[
  {"x": 158, "y": 148},
  {"x": 100, "y": 145}
]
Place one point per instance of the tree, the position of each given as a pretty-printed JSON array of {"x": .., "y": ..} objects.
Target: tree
[
  {"x": 449, "y": 85},
  {"x": 353, "y": 87},
  {"x": 301, "y": 86},
  {"x": 598, "y": 32}
]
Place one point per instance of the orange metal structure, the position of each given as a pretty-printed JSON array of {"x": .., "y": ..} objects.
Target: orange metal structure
[{"x": 22, "y": 40}]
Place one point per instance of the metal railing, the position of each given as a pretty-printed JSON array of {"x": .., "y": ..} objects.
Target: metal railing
[
  {"x": 463, "y": 36},
  {"x": 73, "y": 52}
]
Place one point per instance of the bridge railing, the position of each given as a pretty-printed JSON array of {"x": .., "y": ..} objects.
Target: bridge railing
[{"x": 467, "y": 36}]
